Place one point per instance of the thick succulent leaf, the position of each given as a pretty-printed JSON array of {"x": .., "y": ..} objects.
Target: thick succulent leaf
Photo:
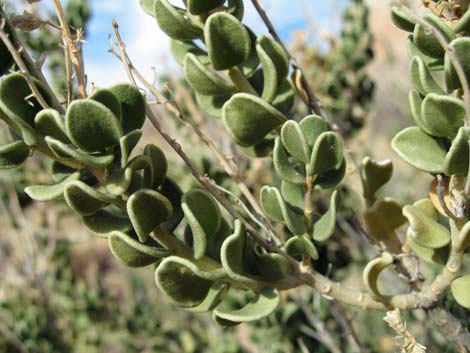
[
  {"x": 375, "y": 174},
  {"x": 203, "y": 80},
  {"x": 285, "y": 98},
  {"x": 132, "y": 253},
  {"x": 324, "y": 228},
  {"x": 327, "y": 153},
  {"x": 463, "y": 25},
  {"x": 442, "y": 115},
  {"x": 249, "y": 119},
  {"x": 299, "y": 245},
  {"x": 261, "y": 149},
  {"x": 232, "y": 255},
  {"x": 293, "y": 194},
  {"x": 212, "y": 104},
  {"x": 214, "y": 297},
  {"x": 176, "y": 278},
  {"x": 127, "y": 143},
  {"x": 133, "y": 106},
  {"x": 156, "y": 173},
  {"x": 416, "y": 102},
  {"x": 84, "y": 199},
  {"x": 263, "y": 305},
  {"x": 384, "y": 218},
  {"x": 172, "y": 192},
  {"x": 118, "y": 180},
  {"x": 63, "y": 151},
  {"x": 204, "y": 218},
  {"x": 251, "y": 64},
  {"x": 147, "y": 209},
  {"x": 433, "y": 64},
  {"x": 419, "y": 150},
  {"x": 273, "y": 266},
  {"x": 283, "y": 166},
  {"x": 461, "y": 49},
  {"x": 199, "y": 7},
  {"x": 173, "y": 21},
  {"x": 147, "y": 6},
  {"x": 460, "y": 290},
  {"x": 13, "y": 154},
  {"x": 103, "y": 223},
  {"x": 20, "y": 129},
  {"x": 6, "y": 60},
  {"x": 138, "y": 163},
  {"x": 228, "y": 41},
  {"x": 332, "y": 178},
  {"x": 48, "y": 122},
  {"x": 427, "y": 41},
  {"x": 402, "y": 20},
  {"x": 59, "y": 171},
  {"x": 179, "y": 50},
  {"x": 422, "y": 79},
  {"x": 424, "y": 230},
  {"x": 236, "y": 8},
  {"x": 294, "y": 141},
  {"x": 457, "y": 158},
  {"x": 109, "y": 100},
  {"x": 372, "y": 271},
  {"x": 432, "y": 256},
  {"x": 50, "y": 192},
  {"x": 91, "y": 126}
]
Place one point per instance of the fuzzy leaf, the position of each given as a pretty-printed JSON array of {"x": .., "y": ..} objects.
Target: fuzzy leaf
[
  {"x": 442, "y": 115},
  {"x": 422, "y": 79},
  {"x": 227, "y": 40},
  {"x": 127, "y": 143},
  {"x": 133, "y": 107},
  {"x": 249, "y": 119},
  {"x": 48, "y": 122},
  {"x": 103, "y": 223},
  {"x": 457, "y": 158},
  {"x": 212, "y": 104},
  {"x": 427, "y": 41},
  {"x": 285, "y": 98},
  {"x": 91, "y": 126},
  {"x": 432, "y": 256},
  {"x": 294, "y": 141},
  {"x": 332, "y": 178},
  {"x": 327, "y": 153},
  {"x": 173, "y": 193},
  {"x": 273, "y": 266},
  {"x": 179, "y": 50},
  {"x": 118, "y": 180},
  {"x": 147, "y": 6},
  {"x": 402, "y": 20},
  {"x": 461, "y": 49},
  {"x": 50, "y": 192},
  {"x": 147, "y": 209},
  {"x": 372, "y": 271},
  {"x": 419, "y": 150},
  {"x": 463, "y": 25},
  {"x": 13, "y": 154},
  {"x": 6, "y": 60},
  {"x": 459, "y": 288},
  {"x": 236, "y": 8},
  {"x": 433, "y": 64},
  {"x": 203, "y": 80},
  {"x": 293, "y": 194},
  {"x": 84, "y": 199},
  {"x": 213, "y": 298},
  {"x": 173, "y": 21},
  {"x": 155, "y": 174},
  {"x": 375, "y": 174},
  {"x": 416, "y": 102},
  {"x": 424, "y": 230},
  {"x": 199, "y": 7},
  {"x": 384, "y": 218},
  {"x": 204, "y": 218},
  {"x": 299, "y": 245},
  {"x": 109, "y": 100},
  {"x": 312, "y": 127},
  {"x": 263, "y": 305},
  {"x": 284, "y": 168},
  {"x": 325, "y": 226}
]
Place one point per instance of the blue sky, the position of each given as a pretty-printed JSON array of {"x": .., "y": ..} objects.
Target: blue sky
[{"x": 148, "y": 46}]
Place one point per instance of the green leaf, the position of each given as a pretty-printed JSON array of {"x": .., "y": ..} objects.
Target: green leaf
[
  {"x": 147, "y": 6},
  {"x": 460, "y": 290},
  {"x": 372, "y": 271},
  {"x": 179, "y": 50},
  {"x": 203, "y": 80},
  {"x": 432, "y": 256},
  {"x": 132, "y": 253},
  {"x": 383, "y": 219},
  {"x": 63, "y": 151},
  {"x": 375, "y": 175},
  {"x": 133, "y": 106},
  {"x": 199, "y": 7},
  {"x": 261, "y": 149},
  {"x": 331, "y": 178},
  {"x": 251, "y": 64},
  {"x": 299, "y": 245},
  {"x": 59, "y": 171},
  {"x": 324, "y": 228},
  {"x": 285, "y": 98},
  {"x": 275, "y": 64},
  {"x": 402, "y": 20},
  {"x": 463, "y": 25},
  {"x": 416, "y": 102},
  {"x": 155, "y": 174},
  {"x": 91, "y": 126},
  {"x": 293, "y": 194},
  {"x": 173, "y": 193},
  {"x": 13, "y": 154},
  {"x": 109, "y": 100},
  {"x": 118, "y": 180},
  {"x": 214, "y": 297},
  {"x": 212, "y": 104},
  {"x": 50, "y": 192},
  {"x": 433, "y": 64},
  {"x": 273, "y": 266},
  {"x": 174, "y": 22},
  {"x": 84, "y": 199},
  {"x": 419, "y": 150},
  {"x": 176, "y": 278},
  {"x": 457, "y": 158},
  {"x": 227, "y": 40},
  {"x": 232, "y": 256},
  {"x": 443, "y": 115},
  {"x": 204, "y": 218},
  {"x": 422, "y": 79},
  {"x": 6, "y": 60},
  {"x": 236, "y": 8},
  {"x": 294, "y": 141},
  {"x": 127, "y": 143},
  {"x": 263, "y": 305},
  {"x": 249, "y": 119},
  {"x": 147, "y": 209},
  {"x": 104, "y": 222},
  {"x": 49, "y": 122},
  {"x": 427, "y": 41},
  {"x": 327, "y": 153},
  {"x": 284, "y": 168},
  {"x": 424, "y": 230},
  {"x": 461, "y": 49}
]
